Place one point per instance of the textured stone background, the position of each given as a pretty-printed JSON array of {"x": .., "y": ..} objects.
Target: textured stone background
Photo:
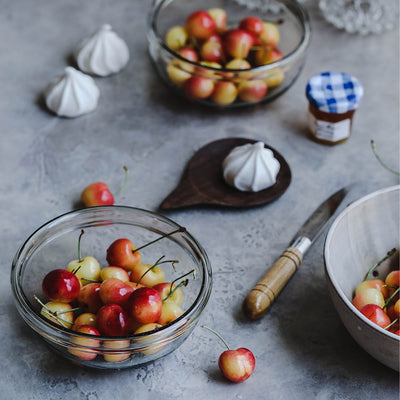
[{"x": 302, "y": 349}]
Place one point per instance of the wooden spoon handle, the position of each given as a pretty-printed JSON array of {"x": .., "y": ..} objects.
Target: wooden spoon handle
[{"x": 267, "y": 289}]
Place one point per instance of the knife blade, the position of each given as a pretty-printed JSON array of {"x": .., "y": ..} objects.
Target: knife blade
[{"x": 264, "y": 293}]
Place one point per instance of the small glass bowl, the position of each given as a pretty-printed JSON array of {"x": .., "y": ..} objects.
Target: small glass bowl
[
  {"x": 295, "y": 33},
  {"x": 54, "y": 245}
]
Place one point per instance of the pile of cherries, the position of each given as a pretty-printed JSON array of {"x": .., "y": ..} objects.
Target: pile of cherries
[
  {"x": 126, "y": 297},
  {"x": 379, "y": 300},
  {"x": 206, "y": 40}
]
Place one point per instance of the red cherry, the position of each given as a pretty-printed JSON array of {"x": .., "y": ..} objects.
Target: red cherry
[
  {"x": 97, "y": 194},
  {"x": 61, "y": 285},
  {"x": 89, "y": 297},
  {"x": 237, "y": 43},
  {"x": 115, "y": 291},
  {"x": 145, "y": 305},
  {"x": 200, "y": 25},
  {"x": 122, "y": 253},
  {"x": 375, "y": 314},
  {"x": 112, "y": 320},
  {"x": 253, "y": 25}
]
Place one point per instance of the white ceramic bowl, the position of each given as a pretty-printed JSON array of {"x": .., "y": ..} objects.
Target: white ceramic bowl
[{"x": 359, "y": 237}]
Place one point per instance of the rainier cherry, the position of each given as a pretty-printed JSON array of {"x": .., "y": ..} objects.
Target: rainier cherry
[
  {"x": 145, "y": 305},
  {"x": 236, "y": 365},
  {"x": 89, "y": 297},
  {"x": 98, "y": 193},
  {"x": 86, "y": 269},
  {"x": 85, "y": 353}
]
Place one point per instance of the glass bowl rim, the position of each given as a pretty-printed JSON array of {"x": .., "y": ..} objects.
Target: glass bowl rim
[
  {"x": 63, "y": 335},
  {"x": 302, "y": 17}
]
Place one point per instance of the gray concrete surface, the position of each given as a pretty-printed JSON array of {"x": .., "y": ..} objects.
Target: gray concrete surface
[{"x": 302, "y": 350}]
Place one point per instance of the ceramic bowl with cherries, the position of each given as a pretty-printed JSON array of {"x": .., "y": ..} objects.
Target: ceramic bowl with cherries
[
  {"x": 111, "y": 287},
  {"x": 224, "y": 54}
]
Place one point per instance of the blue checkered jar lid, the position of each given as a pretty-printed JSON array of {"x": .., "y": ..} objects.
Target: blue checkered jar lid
[{"x": 334, "y": 92}]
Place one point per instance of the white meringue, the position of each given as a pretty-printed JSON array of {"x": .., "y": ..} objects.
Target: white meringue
[
  {"x": 251, "y": 167},
  {"x": 72, "y": 94},
  {"x": 103, "y": 53}
]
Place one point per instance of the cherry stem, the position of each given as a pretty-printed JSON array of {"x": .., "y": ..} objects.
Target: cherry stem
[
  {"x": 173, "y": 289},
  {"x": 181, "y": 229},
  {"x": 387, "y": 301},
  {"x": 54, "y": 314},
  {"x": 90, "y": 280},
  {"x": 79, "y": 247},
  {"x": 125, "y": 181},
  {"x": 171, "y": 292},
  {"x": 217, "y": 334},
  {"x": 389, "y": 254},
  {"x": 392, "y": 323},
  {"x": 384, "y": 165},
  {"x": 158, "y": 262}
]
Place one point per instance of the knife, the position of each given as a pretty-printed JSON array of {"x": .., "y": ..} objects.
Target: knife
[{"x": 267, "y": 289}]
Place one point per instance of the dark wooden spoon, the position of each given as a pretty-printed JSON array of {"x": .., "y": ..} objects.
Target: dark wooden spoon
[{"x": 203, "y": 183}]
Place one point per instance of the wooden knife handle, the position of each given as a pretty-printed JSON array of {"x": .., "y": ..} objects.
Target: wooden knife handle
[{"x": 267, "y": 289}]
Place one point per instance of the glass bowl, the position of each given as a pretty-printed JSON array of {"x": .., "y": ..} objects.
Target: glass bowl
[
  {"x": 54, "y": 245},
  {"x": 294, "y": 29},
  {"x": 359, "y": 237}
]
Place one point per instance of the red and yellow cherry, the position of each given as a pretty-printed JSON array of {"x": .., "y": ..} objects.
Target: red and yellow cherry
[
  {"x": 369, "y": 296},
  {"x": 115, "y": 355},
  {"x": 145, "y": 305},
  {"x": 164, "y": 289},
  {"x": 251, "y": 91},
  {"x": 393, "y": 278},
  {"x": 123, "y": 253},
  {"x": 265, "y": 55},
  {"x": 237, "y": 43},
  {"x": 115, "y": 291},
  {"x": 253, "y": 25},
  {"x": 61, "y": 285},
  {"x": 89, "y": 297},
  {"x": 86, "y": 353},
  {"x": 147, "y": 275},
  {"x": 212, "y": 50},
  {"x": 85, "y": 319},
  {"x": 176, "y": 74},
  {"x": 236, "y": 365},
  {"x": 375, "y": 314},
  {"x": 114, "y": 272},
  {"x": 176, "y": 37},
  {"x": 170, "y": 311},
  {"x": 219, "y": 17},
  {"x": 97, "y": 194},
  {"x": 270, "y": 34},
  {"x": 275, "y": 77},
  {"x": 59, "y": 313},
  {"x": 198, "y": 88},
  {"x": 373, "y": 283},
  {"x": 112, "y": 320},
  {"x": 200, "y": 25},
  {"x": 147, "y": 328},
  {"x": 189, "y": 54},
  {"x": 225, "y": 92}
]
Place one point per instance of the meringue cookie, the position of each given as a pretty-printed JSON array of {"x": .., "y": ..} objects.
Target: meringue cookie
[
  {"x": 72, "y": 94},
  {"x": 103, "y": 53},
  {"x": 251, "y": 167}
]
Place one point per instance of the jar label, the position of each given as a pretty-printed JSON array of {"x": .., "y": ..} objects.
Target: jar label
[{"x": 331, "y": 131}]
